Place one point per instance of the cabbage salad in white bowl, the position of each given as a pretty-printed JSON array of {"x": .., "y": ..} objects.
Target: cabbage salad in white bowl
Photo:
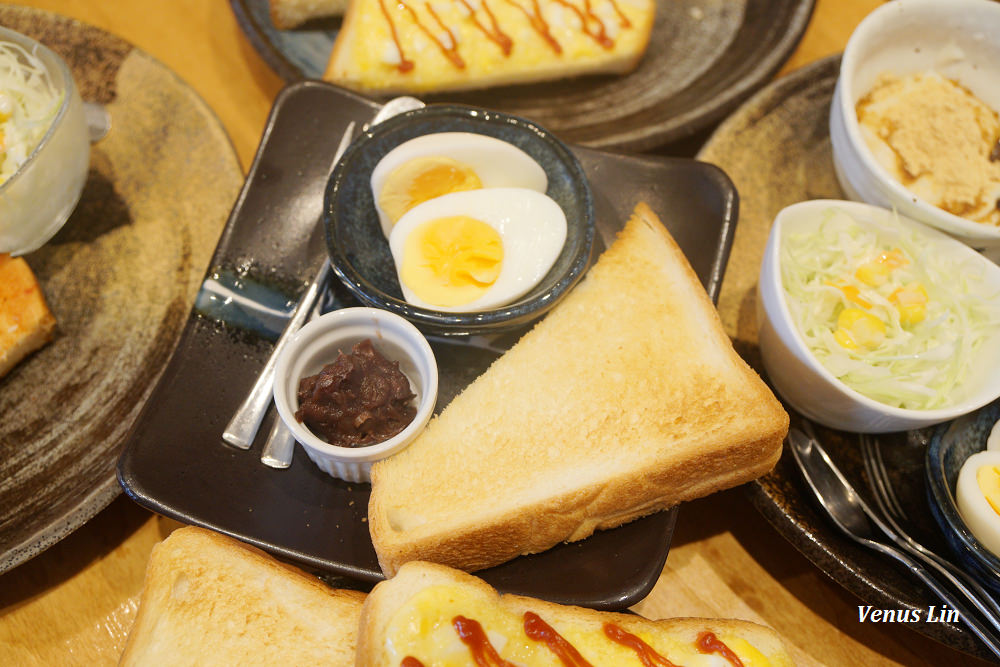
[
  {"x": 44, "y": 145},
  {"x": 873, "y": 322}
]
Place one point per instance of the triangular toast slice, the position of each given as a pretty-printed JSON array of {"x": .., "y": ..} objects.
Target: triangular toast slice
[{"x": 626, "y": 399}]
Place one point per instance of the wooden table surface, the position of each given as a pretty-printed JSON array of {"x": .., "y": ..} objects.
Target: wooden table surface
[{"x": 74, "y": 603}]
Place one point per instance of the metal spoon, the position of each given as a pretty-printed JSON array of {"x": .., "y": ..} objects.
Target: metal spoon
[
  {"x": 280, "y": 445},
  {"x": 856, "y": 520}
]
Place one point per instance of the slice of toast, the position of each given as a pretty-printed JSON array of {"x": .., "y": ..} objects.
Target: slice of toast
[
  {"x": 421, "y": 46},
  {"x": 209, "y": 599},
  {"x": 413, "y": 615},
  {"x": 26, "y": 323},
  {"x": 288, "y": 14},
  {"x": 626, "y": 399}
]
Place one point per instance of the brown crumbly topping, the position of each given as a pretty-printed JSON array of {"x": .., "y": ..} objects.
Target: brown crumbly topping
[{"x": 938, "y": 139}]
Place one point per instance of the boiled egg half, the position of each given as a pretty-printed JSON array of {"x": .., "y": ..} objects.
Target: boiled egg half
[
  {"x": 978, "y": 496},
  {"x": 479, "y": 249},
  {"x": 432, "y": 165}
]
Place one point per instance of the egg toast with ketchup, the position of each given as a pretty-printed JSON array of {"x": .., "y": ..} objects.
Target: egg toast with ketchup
[
  {"x": 431, "y": 615},
  {"x": 415, "y": 46}
]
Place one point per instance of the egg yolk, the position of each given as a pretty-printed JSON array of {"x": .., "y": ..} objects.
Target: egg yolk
[
  {"x": 451, "y": 261},
  {"x": 423, "y": 178},
  {"x": 857, "y": 329},
  {"x": 988, "y": 478}
]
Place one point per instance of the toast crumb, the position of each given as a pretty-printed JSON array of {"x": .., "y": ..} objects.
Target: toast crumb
[{"x": 26, "y": 323}]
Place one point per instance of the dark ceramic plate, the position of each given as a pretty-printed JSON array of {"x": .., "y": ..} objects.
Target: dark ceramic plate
[
  {"x": 704, "y": 58},
  {"x": 176, "y": 463},
  {"x": 361, "y": 257},
  {"x": 119, "y": 277},
  {"x": 949, "y": 449},
  {"x": 776, "y": 148}
]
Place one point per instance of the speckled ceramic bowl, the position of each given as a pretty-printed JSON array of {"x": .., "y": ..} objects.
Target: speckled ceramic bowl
[
  {"x": 39, "y": 197},
  {"x": 947, "y": 452},
  {"x": 360, "y": 253}
]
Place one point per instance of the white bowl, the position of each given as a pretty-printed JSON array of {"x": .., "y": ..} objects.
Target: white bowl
[
  {"x": 318, "y": 344},
  {"x": 39, "y": 197},
  {"x": 807, "y": 385},
  {"x": 960, "y": 39}
]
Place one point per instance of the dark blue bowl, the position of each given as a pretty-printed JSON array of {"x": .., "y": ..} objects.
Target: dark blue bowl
[
  {"x": 360, "y": 253},
  {"x": 949, "y": 448}
]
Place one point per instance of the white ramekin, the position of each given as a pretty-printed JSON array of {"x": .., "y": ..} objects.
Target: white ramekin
[{"x": 318, "y": 344}]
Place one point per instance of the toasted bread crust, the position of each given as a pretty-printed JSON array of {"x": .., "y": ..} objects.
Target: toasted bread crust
[
  {"x": 389, "y": 597},
  {"x": 651, "y": 417},
  {"x": 208, "y": 596},
  {"x": 26, "y": 323}
]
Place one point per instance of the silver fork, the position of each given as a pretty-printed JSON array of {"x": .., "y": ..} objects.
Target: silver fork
[
  {"x": 893, "y": 512},
  {"x": 861, "y": 523}
]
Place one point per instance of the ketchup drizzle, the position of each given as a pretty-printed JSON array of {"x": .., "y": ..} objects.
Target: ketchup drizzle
[
  {"x": 472, "y": 635},
  {"x": 601, "y": 34},
  {"x": 538, "y": 23},
  {"x": 410, "y": 661},
  {"x": 404, "y": 64},
  {"x": 496, "y": 35},
  {"x": 645, "y": 652},
  {"x": 450, "y": 52},
  {"x": 622, "y": 19},
  {"x": 540, "y": 631},
  {"x": 709, "y": 643}
]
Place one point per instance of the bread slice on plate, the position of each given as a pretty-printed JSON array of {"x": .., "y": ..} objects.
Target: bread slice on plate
[
  {"x": 419, "y": 46},
  {"x": 209, "y": 599},
  {"x": 287, "y": 14},
  {"x": 626, "y": 399},
  {"x": 26, "y": 323},
  {"x": 417, "y": 615}
]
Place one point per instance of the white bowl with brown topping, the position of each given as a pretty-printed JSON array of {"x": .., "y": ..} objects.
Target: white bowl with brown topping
[
  {"x": 914, "y": 123},
  {"x": 355, "y": 386}
]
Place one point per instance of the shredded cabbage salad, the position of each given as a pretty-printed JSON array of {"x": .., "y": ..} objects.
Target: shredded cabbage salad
[
  {"x": 29, "y": 101},
  {"x": 885, "y": 311}
]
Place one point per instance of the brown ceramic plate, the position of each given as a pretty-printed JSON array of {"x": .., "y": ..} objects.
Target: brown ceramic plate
[
  {"x": 704, "y": 58},
  {"x": 120, "y": 278},
  {"x": 176, "y": 463},
  {"x": 776, "y": 148}
]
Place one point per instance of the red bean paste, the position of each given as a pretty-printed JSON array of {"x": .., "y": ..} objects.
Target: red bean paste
[{"x": 360, "y": 399}]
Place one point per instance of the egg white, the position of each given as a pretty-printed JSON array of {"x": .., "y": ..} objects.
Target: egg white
[
  {"x": 972, "y": 504},
  {"x": 993, "y": 441},
  {"x": 497, "y": 163},
  {"x": 531, "y": 224}
]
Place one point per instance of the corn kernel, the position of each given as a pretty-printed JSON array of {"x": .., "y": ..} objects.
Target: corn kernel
[
  {"x": 911, "y": 302},
  {"x": 857, "y": 329}
]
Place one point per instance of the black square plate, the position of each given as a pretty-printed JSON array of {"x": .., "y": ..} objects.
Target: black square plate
[{"x": 176, "y": 463}]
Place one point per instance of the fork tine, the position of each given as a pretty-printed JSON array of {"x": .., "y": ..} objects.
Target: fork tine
[
  {"x": 876, "y": 478},
  {"x": 890, "y": 494}
]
